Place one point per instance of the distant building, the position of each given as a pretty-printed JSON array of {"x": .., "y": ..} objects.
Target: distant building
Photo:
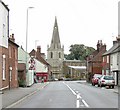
[
  {"x": 42, "y": 68},
  {"x": 74, "y": 69},
  {"x": 55, "y": 53},
  {"x": 4, "y": 34},
  {"x": 94, "y": 61}
]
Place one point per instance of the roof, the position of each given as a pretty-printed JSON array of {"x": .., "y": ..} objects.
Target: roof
[
  {"x": 116, "y": 50},
  {"x": 4, "y": 5},
  {"x": 78, "y": 67},
  {"x": 73, "y": 61},
  {"x": 98, "y": 57},
  {"x": 55, "y": 42},
  {"x": 38, "y": 57},
  {"x": 13, "y": 43},
  {"x": 115, "y": 46}
]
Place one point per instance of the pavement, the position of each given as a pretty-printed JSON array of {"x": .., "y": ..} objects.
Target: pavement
[
  {"x": 13, "y": 96},
  {"x": 115, "y": 90}
]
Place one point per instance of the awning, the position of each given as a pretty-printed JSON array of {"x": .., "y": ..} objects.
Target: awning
[{"x": 78, "y": 67}]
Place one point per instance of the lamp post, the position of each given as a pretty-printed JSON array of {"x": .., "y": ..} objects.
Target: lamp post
[{"x": 27, "y": 37}]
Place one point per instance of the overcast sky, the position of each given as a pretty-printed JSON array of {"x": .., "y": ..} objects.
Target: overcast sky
[{"x": 79, "y": 22}]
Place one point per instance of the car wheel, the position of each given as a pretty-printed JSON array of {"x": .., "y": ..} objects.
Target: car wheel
[
  {"x": 93, "y": 84},
  {"x": 113, "y": 87},
  {"x": 100, "y": 85}
]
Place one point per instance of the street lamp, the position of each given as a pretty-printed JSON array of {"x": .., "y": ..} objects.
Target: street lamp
[
  {"x": 27, "y": 36},
  {"x": 27, "y": 26}
]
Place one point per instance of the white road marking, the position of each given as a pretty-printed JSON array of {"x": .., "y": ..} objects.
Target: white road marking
[
  {"x": 78, "y": 97},
  {"x": 77, "y": 92},
  {"x": 70, "y": 89},
  {"x": 77, "y": 104},
  {"x": 85, "y": 103}
]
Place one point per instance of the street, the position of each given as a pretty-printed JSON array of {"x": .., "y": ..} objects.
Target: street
[{"x": 71, "y": 94}]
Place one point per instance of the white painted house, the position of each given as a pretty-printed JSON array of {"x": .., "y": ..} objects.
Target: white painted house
[
  {"x": 4, "y": 34},
  {"x": 4, "y": 25},
  {"x": 115, "y": 61},
  {"x": 24, "y": 58}
]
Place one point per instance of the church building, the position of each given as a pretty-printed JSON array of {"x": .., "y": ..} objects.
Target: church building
[{"x": 55, "y": 53}]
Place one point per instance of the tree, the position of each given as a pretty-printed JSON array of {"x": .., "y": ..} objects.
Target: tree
[{"x": 79, "y": 52}]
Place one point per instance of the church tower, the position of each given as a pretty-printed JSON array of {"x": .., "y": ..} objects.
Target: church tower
[{"x": 55, "y": 53}]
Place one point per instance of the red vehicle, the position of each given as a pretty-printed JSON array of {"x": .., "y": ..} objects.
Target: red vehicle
[{"x": 95, "y": 79}]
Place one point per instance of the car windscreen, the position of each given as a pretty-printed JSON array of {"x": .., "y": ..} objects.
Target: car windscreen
[{"x": 108, "y": 78}]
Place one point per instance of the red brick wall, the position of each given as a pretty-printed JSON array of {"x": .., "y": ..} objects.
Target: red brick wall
[
  {"x": 1, "y": 67},
  {"x": 13, "y": 62},
  {"x": 5, "y": 83}
]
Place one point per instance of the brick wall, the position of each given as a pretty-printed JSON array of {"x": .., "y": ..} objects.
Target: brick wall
[{"x": 5, "y": 83}]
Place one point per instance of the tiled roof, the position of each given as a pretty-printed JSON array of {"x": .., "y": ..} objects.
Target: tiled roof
[
  {"x": 116, "y": 50},
  {"x": 38, "y": 57},
  {"x": 115, "y": 46}
]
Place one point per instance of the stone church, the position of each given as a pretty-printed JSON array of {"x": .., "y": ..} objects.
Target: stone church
[{"x": 55, "y": 53}]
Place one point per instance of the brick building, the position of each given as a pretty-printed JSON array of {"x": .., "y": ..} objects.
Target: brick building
[
  {"x": 13, "y": 62},
  {"x": 42, "y": 66},
  {"x": 94, "y": 61}
]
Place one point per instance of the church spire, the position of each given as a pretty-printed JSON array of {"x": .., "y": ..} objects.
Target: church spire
[{"x": 55, "y": 42}]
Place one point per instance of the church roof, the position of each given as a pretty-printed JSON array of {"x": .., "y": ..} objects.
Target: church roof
[{"x": 55, "y": 42}]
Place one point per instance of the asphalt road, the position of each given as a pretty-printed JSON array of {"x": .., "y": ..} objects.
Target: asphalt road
[{"x": 71, "y": 94}]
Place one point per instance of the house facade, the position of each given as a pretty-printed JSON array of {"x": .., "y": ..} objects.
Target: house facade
[
  {"x": 13, "y": 62},
  {"x": 115, "y": 62},
  {"x": 111, "y": 59},
  {"x": 25, "y": 73},
  {"x": 94, "y": 61},
  {"x": 42, "y": 68},
  {"x": 4, "y": 34}
]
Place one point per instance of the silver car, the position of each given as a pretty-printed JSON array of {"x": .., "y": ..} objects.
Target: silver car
[{"x": 106, "y": 80}]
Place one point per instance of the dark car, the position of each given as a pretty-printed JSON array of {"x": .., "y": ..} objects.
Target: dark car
[{"x": 95, "y": 79}]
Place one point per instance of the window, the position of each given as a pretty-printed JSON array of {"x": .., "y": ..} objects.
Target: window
[
  {"x": 107, "y": 59},
  {"x": 51, "y": 55},
  {"x": 10, "y": 53},
  {"x": 59, "y": 55},
  {"x": 103, "y": 59},
  {"x": 15, "y": 54},
  {"x": 3, "y": 67},
  {"x": 3, "y": 30}
]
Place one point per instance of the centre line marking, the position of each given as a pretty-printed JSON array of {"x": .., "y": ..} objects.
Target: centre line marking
[
  {"x": 70, "y": 89},
  {"x": 77, "y": 104},
  {"x": 78, "y": 97},
  {"x": 85, "y": 103}
]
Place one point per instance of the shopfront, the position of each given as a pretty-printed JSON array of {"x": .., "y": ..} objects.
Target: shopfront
[{"x": 42, "y": 76}]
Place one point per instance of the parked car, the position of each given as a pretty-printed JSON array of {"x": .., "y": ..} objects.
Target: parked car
[
  {"x": 95, "y": 79},
  {"x": 55, "y": 79},
  {"x": 106, "y": 80}
]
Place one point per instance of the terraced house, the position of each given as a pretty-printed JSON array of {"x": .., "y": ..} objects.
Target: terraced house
[
  {"x": 111, "y": 61},
  {"x": 4, "y": 34}
]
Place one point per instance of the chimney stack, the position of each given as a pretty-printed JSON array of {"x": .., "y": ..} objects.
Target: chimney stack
[
  {"x": 12, "y": 38},
  {"x": 39, "y": 49}
]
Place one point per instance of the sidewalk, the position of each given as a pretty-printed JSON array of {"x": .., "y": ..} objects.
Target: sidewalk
[
  {"x": 115, "y": 90},
  {"x": 10, "y": 97}
]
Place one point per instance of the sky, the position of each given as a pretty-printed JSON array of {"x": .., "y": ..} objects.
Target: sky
[{"x": 79, "y": 22}]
